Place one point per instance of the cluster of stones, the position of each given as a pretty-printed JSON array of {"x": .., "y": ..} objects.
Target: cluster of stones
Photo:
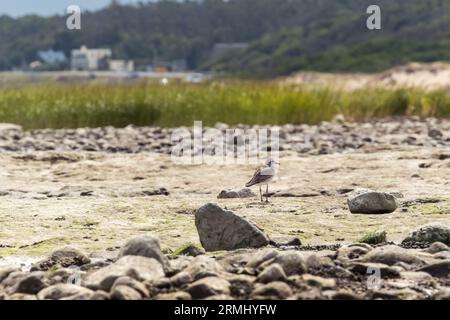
[
  {"x": 324, "y": 138},
  {"x": 253, "y": 267}
]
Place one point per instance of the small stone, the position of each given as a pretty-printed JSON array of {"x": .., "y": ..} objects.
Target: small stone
[
  {"x": 181, "y": 278},
  {"x": 443, "y": 294},
  {"x": 439, "y": 269},
  {"x": 272, "y": 291},
  {"x": 64, "y": 257},
  {"x": 30, "y": 284},
  {"x": 371, "y": 202},
  {"x": 179, "y": 295},
  {"x": 125, "y": 293},
  {"x": 5, "y": 272},
  {"x": 368, "y": 268},
  {"x": 261, "y": 256},
  {"x": 230, "y": 194},
  {"x": 345, "y": 295},
  {"x": 428, "y": 234},
  {"x": 220, "y": 229},
  {"x": 437, "y": 247},
  {"x": 273, "y": 272},
  {"x": 145, "y": 246},
  {"x": 63, "y": 290},
  {"x": 139, "y": 268},
  {"x": 390, "y": 255},
  {"x": 291, "y": 261},
  {"x": 22, "y": 297},
  {"x": 209, "y": 286},
  {"x": 322, "y": 283},
  {"x": 132, "y": 283},
  {"x": 100, "y": 295},
  {"x": 202, "y": 267}
]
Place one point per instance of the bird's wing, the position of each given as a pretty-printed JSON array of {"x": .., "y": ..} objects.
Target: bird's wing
[{"x": 261, "y": 175}]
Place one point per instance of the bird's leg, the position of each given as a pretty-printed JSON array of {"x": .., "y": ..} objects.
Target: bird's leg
[
  {"x": 260, "y": 193},
  {"x": 267, "y": 193}
]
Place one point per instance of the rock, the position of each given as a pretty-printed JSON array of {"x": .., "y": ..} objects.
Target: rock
[
  {"x": 351, "y": 252},
  {"x": 375, "y": 237},
  {"x": 220, "y": 229},
  {"x": 8, "y": 127},
  {"x": 220, "y": 297},
  {"x": 292, "y": 262},
  {"x": 362, "y": 268},
  {"x": 272, "y": 291},
  {"x": 22, "y": 297},
  {"x": 207, "y": 287},
  {"x": 393, "y": 294},
  {"x": 5, "y": 272},
  {"x": 436, "y": 247},
  {"x": 124, "y": 293},
  {"x": 443, "y": 294},
  {"x": 243, "y": 193},
  {"x": 30, "y": 284},
  {"x": 241, "y": 284},
  {"x": 261, "y": 256},
  {"x": 132, "y": 283},
  {"x": 145, "y": 246},
  {"x": 136, "y": 267},
  {"x": 179, "y": 295},
  {"x": 63, "y": 290},
  {"x": 435, "y": 134},
  {"x": 320, "y": 282},
  {"x": 202, "y": 267},
  {"x": 64, "y": 257},
  {"x": 345, "y": 295},
  {"x": 371, "y": 202},
  {"x": 428, "y": 234},
  {"x": 181, "y": 278},
  {"x": 390, "y": 255},
  {"x": 439, "y": 269},
  {"x": 273, "y": 272},
  {"x": 100, "y": 295}
]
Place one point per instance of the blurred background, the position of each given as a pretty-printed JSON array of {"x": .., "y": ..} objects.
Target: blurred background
[{"x": 277, "y": 48}]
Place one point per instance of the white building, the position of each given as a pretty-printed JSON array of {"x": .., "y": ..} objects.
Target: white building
[
  {"x": 121, "y": 65},
  {"x": 90, "y": 59}
]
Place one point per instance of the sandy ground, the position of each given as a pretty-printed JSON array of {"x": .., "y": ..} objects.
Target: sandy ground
[
  {"x": 97, "y": 201},
  {"x": 429, "y": 76}
]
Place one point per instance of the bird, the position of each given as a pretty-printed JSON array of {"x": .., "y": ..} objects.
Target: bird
[{"x": 263, "y": 176}]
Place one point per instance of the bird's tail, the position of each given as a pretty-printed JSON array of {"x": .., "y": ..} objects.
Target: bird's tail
[{"x": 248, "y": 184}]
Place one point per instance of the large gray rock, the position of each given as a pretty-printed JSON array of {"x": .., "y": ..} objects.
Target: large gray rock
[
  {"x": 371, "y": 202},
  {"x": 145, "y": 246},
  {"x": 230, "y": 194},
  {"x": 139, "y": 268},
  {"x": 220, "y": 229},
  {"x": 428, "y": 234},
  {"x": 63, "y": 257}
]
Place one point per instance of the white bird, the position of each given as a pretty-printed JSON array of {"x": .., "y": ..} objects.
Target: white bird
[{"x": 264, "y": 175}]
